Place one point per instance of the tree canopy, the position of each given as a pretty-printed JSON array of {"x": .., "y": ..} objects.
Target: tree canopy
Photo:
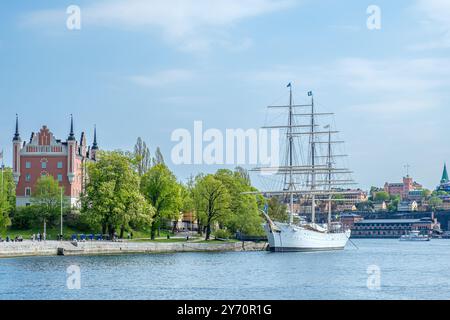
[
  {"x": 142, "y": 157},
  {"x": 112, "y": 199},
  {"x": 212, "y": 201},
  {"x": 7, "y": 198},
  {"x": 46, "y": 199},
  {"x": 162, "y": 191}
]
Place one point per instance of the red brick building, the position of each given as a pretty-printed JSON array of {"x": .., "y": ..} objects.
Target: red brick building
[
  {"x": 402, "y": 189},
  {"x": 43, "y": 155}
]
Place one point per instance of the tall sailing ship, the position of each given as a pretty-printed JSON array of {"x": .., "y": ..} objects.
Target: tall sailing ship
[{"x": 309, "y": 176}]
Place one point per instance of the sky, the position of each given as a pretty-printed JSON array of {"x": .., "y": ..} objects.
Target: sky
[{"x": 146, "y": 68}]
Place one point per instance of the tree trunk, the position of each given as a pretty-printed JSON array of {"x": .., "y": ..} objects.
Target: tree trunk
[
  {"x": 111, "y": 232},
  {"x": 208, "y": 229},
  {"x": 208, "y": 232},
  {"x": 122, "y": 229},
  {"x": 103, "y": 229},
  {"x": 174, "y": 228},
  {"x": 153, "y": 229},
  {"x": 199, "y": 227}
]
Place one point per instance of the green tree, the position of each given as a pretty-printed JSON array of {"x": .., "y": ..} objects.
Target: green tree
[
  {"x": 426, "y": 193},
  {"x": 365, "y": 206},
  {"x": 142, "y": 157},
  {"x": 212, "y": 201},
  {"x": 161, "y": 189},
  {"x": 7, "y": 198},
  {"x": 244, "y": 214},
  {"x": 393, "y": 205},
  {"x": 278, "y": 210},
  {"x": 381, "y": 196},
  {"x": 46, "y": 199},
  {"x": 158, "y": 159},
  {"x": 112, "y": 199},
  {"x": 434, "y": 203}
]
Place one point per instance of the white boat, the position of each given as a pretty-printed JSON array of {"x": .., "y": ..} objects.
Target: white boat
[
  {"x": 414, "y": 235},
  {"x": 316, "y": 179},
  {"x": 288, "y": 238}
]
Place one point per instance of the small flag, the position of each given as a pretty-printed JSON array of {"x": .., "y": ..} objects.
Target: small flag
[
  {"x": 327, "y": 126},
  {"x": 289, "y": 85},
  {"x": 1, "y": 155},
  {"x": 309, "y": 93}
]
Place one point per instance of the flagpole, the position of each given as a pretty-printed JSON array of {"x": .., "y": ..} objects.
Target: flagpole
[
  {"x": 61, "y": 234},
  {"x": 3, "y": 167}
]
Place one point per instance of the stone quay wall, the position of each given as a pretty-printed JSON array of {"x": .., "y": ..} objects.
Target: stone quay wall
[{"x": 52, "y": 248}]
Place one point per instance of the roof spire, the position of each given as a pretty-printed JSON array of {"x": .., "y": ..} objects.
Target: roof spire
[
  {"x": 444, "y": 178},
  {"x": 95, "y": 145},
  {"x": 71, "y": 135},
  {"x": 17, "y": 135}
]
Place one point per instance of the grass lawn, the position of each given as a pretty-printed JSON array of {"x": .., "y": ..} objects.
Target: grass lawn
[
  {"x": 53, "y": 232},
  {"x": 218, "y": 241},
  {"x": 26, "y": 234}
]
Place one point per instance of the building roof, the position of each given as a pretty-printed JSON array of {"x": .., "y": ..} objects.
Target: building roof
[
  {"x": 444, "y": 178},
  {"x": 390, "y": 221}
]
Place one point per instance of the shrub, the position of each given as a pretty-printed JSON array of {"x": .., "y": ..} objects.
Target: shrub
[{"x": 222, "y": 234}]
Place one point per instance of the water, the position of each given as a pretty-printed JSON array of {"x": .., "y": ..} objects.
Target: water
[{"x": 408, "y": 270}]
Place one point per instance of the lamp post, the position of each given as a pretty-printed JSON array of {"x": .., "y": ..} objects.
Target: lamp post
[
  {"x": 3, "y": 168},
  {"x": 61, "y": 233}
]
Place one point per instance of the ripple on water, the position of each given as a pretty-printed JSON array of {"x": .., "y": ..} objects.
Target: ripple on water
[{"x": 408, "y": 271}]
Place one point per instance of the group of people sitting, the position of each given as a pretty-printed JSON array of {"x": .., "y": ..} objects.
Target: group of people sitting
[{"x": 8, "y": 239}]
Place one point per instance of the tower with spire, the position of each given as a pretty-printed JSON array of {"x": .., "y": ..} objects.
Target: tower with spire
[
  {"x": 444, "y": 178},
  {"x": 72, "y": 146},
  {"x": 445, "y": 183},
  {"x": 17, "y": 142},
  {"x": 94, "y": 149},
  {"x": 44, "y": 155}
]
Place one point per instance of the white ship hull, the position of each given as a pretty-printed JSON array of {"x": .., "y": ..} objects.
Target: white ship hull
[{"x": 283, "y": 237}]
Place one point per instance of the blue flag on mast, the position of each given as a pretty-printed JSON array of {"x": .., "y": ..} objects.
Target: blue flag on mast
[
  {"x": 309, "y": 93},
  {"x": 289, "y": 85}
]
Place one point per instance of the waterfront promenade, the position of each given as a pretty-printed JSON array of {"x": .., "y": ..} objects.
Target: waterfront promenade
[{"x": 52, "y": 248}]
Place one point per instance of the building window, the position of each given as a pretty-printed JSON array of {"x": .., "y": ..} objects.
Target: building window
[
  {"x": 28, "y": 165},
  {"x": 28, "y": 177},
  {"x": 44, "y": 165},
  {"x": 28, "y": 192},
  {"x": 60, "y": 177},
  {"x": 60, "y": 165}
]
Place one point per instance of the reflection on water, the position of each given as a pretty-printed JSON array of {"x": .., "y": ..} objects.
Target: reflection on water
[{"x": 409, "y": 270}]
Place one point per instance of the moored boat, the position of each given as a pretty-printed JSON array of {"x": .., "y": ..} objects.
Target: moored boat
[
  {"x": 311, "y": 179},
  {"x": 414, "y": 235}
]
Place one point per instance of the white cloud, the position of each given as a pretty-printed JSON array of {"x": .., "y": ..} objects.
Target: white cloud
[
  {"x": 397, "y": 75},
  {"x": 435, "y": 21},
  {"x": 390, "y": 86},
  {"x": 163, "y": 78},
  {"x": 189, "y": 24}
]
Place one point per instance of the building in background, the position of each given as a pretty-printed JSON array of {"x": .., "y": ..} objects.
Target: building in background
[
  {"x": 393, "y": 228},
  {"x": 380, "y": 206},
  {"x": 348, "y": 220},
  {"x": 44, "y": 155},
  {"x": 445, "y": 183},
  {"x": 402, "y": 189},
  {"x": 407, "y": 206}
]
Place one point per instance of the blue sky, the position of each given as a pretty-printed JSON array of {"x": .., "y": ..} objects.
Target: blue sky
[{"x": 146, "y": 68}]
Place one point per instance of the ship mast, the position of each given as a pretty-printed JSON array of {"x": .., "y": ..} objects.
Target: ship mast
[
  {"x": 322, "y": 183},
  {"x": 291, "y": 177},
  {"x": 313, "y": 161},
  {"x": 329, "y": 176}
]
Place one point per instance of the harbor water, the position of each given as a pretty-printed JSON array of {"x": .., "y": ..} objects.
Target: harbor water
[{"x": 376, "y": 269}]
